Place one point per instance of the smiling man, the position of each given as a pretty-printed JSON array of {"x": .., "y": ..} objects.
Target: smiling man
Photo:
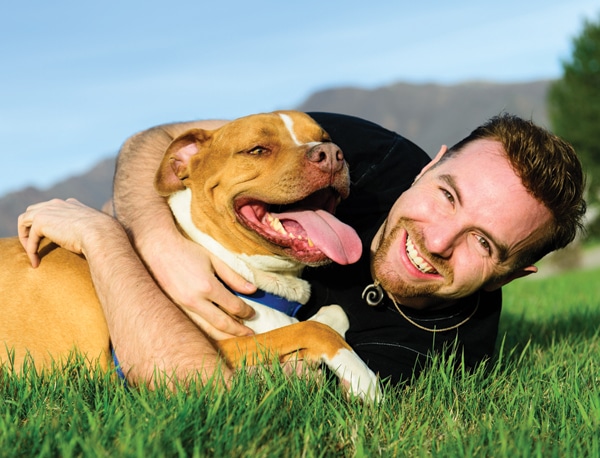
[
  {"x": 440, "y": 238},
  {"x": 450, "y": 234},
  {"x": 476, "y": 217}
]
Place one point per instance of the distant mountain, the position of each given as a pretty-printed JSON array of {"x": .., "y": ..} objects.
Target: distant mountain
[
  {"x": 93, "y": 188},
  {"x": 428, "y": 114},
  {"x": 432, "y": 115}
]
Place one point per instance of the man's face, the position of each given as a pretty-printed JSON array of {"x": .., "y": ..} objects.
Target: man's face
[{"x": 461, "y": 224}]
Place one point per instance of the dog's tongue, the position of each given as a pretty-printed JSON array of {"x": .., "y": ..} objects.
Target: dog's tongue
[{"x": 338, "y": 241}]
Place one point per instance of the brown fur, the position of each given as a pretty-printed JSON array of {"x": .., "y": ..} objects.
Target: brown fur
[{"x": 49, "y": 311}]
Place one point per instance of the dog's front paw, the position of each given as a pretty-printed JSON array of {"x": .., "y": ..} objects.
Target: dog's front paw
[{"x": 355, "y": 375}]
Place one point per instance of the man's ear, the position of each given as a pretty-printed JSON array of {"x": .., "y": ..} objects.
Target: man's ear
[
  {"x": 433, "y": 162},
  {"x": 505, "y": 281}
]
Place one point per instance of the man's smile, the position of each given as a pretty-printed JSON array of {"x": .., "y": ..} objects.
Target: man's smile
[{"x": 413, "y": 256}]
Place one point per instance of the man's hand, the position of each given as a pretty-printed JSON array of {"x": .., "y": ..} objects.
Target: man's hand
[
  {"x": 185, "y": 271},
  {"x": 194, "y": 279},
  {"x": 66, "y": 223},
  {"x": 148, "y": 331}
]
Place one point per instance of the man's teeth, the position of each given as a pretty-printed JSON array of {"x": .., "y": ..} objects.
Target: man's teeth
[
  {"x": 278, "y": 227},
  {"x": 418, "y": 261}
]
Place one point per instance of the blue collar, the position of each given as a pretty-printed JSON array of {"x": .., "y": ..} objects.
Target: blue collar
[
  {"x": 290, "y": 308},
  {"x": 118, "y": 368}
]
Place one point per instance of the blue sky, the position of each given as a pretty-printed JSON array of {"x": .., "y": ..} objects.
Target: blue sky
[{"x": 78, "y": 78}]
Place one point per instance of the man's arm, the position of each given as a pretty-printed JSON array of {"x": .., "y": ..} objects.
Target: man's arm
[
  {"x": 185, "y": 271},
  {"x": 168, "y": 341}
]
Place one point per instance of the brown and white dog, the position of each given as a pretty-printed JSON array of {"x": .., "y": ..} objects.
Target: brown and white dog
[{"x": 259, "y": 193}]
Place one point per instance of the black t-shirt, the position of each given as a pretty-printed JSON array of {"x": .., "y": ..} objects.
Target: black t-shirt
[{"x": 384, "y": 164}]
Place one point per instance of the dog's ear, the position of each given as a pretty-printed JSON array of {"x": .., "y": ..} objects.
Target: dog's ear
[{"x": 174, "y": 167}]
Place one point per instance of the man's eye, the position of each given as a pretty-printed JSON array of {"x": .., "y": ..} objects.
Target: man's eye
[
  {"x": 448, "y": 196},
  {"x": 484, "y": 243}
]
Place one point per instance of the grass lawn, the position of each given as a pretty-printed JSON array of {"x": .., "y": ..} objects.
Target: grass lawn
[{"x": 541, "y": 397}]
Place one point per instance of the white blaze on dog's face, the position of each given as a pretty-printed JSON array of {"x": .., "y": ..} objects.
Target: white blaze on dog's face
[{"x": 265, "y": 184}]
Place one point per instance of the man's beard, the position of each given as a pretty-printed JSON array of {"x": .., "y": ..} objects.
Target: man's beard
[{"x": 386, "y": 273}]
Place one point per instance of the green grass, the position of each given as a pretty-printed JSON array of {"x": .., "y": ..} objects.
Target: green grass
[{"x": 540, "y": 398}]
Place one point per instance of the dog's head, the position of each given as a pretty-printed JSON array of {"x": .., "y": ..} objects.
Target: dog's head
[{"x": 264, "y": 184}]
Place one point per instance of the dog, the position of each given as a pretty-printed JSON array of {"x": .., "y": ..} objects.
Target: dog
[{"x": 259, "y": 193}]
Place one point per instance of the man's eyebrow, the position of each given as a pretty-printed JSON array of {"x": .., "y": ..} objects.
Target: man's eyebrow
[
  {"x": 449, "y": 179},
  {"x": 501, "y": 249}
]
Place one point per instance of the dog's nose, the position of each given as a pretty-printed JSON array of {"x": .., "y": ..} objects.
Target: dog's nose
[{"x": 327, "y": 156}]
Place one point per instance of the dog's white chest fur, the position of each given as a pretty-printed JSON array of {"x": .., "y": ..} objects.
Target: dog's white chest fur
[
  {"x": 269, "y": 273},
  {"x": 281, "y": 277}
]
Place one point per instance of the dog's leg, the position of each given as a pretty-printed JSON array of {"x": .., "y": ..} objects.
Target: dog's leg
[
  {"x": 334, "y": 317},
  {"x": 311, "y": 341}
]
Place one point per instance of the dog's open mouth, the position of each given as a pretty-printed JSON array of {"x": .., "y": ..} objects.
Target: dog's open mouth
[{"x": 306, "y": 230}]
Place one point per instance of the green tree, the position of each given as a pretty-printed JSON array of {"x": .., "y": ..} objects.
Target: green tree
[{"x": 574, "y": 106}]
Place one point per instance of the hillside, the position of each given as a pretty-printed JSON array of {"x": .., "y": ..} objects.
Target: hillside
[
  {"x": 432, "y": 115},
  {"x": 92, "y": 188},
  {"x": 428, "y": 114}
]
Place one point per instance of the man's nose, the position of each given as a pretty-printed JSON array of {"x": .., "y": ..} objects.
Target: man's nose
[{"x": 441, "y": 239}]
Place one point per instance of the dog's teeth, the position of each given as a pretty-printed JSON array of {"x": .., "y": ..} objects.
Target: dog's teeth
[{"x": 276, "y": 224}]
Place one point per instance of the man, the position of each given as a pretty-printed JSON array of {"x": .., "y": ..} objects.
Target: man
[{"x": 477, "y": 217}]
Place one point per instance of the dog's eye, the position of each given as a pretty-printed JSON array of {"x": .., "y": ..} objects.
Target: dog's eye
[{"x": 257, "y": 151}]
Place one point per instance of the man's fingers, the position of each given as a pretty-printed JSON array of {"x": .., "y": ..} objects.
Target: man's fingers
[
  {"x": 231, "y": 303},
  {"x": 29, "y": 238},
  {"x": 220, "y": 326},
  {"x": 217, "y": 310},
  {"x": 231, "y": 277},
  {"x": 60, "y": 221},
  {"x": 225, "y": 298},
  {"x": 23, "y": 227},
  {"x": 32, "y": 246}
]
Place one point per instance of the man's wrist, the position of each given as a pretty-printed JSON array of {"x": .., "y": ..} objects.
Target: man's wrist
[{"x": 99, "y": 233}]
